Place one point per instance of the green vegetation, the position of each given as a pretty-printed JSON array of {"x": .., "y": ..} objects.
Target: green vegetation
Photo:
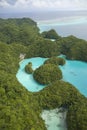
[
  {"x": 43, "y": 48},
  {"x": 17, "y": 111},
  {"x": 55, "y": 60},
  {"x": 47, "y": 74},
  {"x": 18, "y": 30},
  {"x": 51, "y": 34},
  {"x": 73, "y": 48},
  {"x": 28, "y": 68},
  {"x": 78, "y": 51},
  {"x": 63, "y": 94},
  {"x": 21, "y": 109}
]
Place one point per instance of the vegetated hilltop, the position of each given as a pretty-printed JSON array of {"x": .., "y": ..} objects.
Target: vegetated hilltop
[
  {"x": 73, "y": 48},
  {"x": 55, "y": 60},
  {"x": 47, "y": 74},
  {"x": 21, "y": 109}
]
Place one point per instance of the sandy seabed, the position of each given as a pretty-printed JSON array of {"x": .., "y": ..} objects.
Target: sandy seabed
[{"x": 55, "y": 119}]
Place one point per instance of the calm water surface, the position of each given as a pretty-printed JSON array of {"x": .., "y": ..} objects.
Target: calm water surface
[
  {"x": 76, "y": 26},
  {"x": 74, "y": 72}
]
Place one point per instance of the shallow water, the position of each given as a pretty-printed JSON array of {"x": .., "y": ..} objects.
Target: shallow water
[
  {"x": 65, "y": 26},
  {"x": 54, "y": 120},
  {"x": 74, "y": 72},
  {"x": 27, "y": 79}
]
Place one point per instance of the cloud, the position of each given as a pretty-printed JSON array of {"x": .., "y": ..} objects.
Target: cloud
[
  {"x": 27, "y": 5},
  {"x": 54, "y": 4},
  {"x": 12, "y": 2},
  {"x": 60, "y": 4},
  {"x": 4, "y": 3}
]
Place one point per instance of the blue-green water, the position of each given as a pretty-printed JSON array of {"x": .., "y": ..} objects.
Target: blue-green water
[
  {"x": 65, "y": 26},
  {"x": 74, "y": 72},
  {"x": 27, "y": 79}
]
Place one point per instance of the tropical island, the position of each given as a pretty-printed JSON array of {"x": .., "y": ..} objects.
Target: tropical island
[
  {"x": 47, "y": 74},
  {"x": 28, "y": 68},
  {"x": 19, "y": 108}
]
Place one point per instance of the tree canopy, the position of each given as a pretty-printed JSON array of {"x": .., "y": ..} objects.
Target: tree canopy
[
  {"x": 21, "y": 109},
  {"x": 47, "y": 74},
  {"x": 55, "y": 60},
  {"x": 51, "y": 34},
  {"x": 28, "y": 68}
]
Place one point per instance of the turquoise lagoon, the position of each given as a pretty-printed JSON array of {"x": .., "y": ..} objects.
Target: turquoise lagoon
[
  {"x": 27, "y": 79},
  {"x": 75, "y": 72}
]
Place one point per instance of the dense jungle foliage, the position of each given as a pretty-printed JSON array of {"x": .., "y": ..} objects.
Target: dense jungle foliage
[
  {"x": 51, "y": 34},
  {"x": 21, "y": 109},
  {"x": 55, "y": 60},
  {"x": 47, "y": 73},
  {"x": 28, "y": 68},
  {"x": 73, "y": 48}
]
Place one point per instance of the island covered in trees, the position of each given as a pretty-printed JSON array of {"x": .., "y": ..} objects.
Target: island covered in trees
[
  {"x": 19, "y": 108},
  {"x": 48, "y": 73}
]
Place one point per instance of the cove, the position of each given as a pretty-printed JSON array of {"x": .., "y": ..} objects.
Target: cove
[
  {"x": 75, "y": 72},
  {"x": 54, "y": 119},
  {"x": 27, "y": 79}
]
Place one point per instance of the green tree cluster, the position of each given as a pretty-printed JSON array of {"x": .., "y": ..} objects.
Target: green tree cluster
[
  {"x": 28, "y": 68},
  {"x": 73, "y": 48},
  {"x": 17, "y": 111},
  {"x": 55, "y": 60},
  {"x": 47, "y": 74},
  {"x": 51, "y": 34},
  {"x": 63, "y": 94},
  {"x": 18, "y": 30},
  {"x": 21, "y": 109},
  {"x": 43, "y": 48}
]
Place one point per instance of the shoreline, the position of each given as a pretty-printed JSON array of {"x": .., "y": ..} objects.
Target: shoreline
[{"x": 55, "y": 119}]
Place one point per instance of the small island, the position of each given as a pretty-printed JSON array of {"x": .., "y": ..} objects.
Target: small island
[
  {"x": 51, "y": 34},
  {"x": 28, "y": 68},
  {"x": 47, "y": 74}
]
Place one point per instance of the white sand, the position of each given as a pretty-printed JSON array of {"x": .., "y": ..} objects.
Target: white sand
[{"x": 54, "y": 119}]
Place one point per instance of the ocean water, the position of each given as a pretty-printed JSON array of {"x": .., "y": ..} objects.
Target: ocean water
[
  {"x": 64, "y": 22},
  {"x": 65, "y": 26},
  {"x": 75, "y": 72}
]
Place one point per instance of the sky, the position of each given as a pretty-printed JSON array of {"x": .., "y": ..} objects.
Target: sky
[{"x": 41, "y": 5}]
